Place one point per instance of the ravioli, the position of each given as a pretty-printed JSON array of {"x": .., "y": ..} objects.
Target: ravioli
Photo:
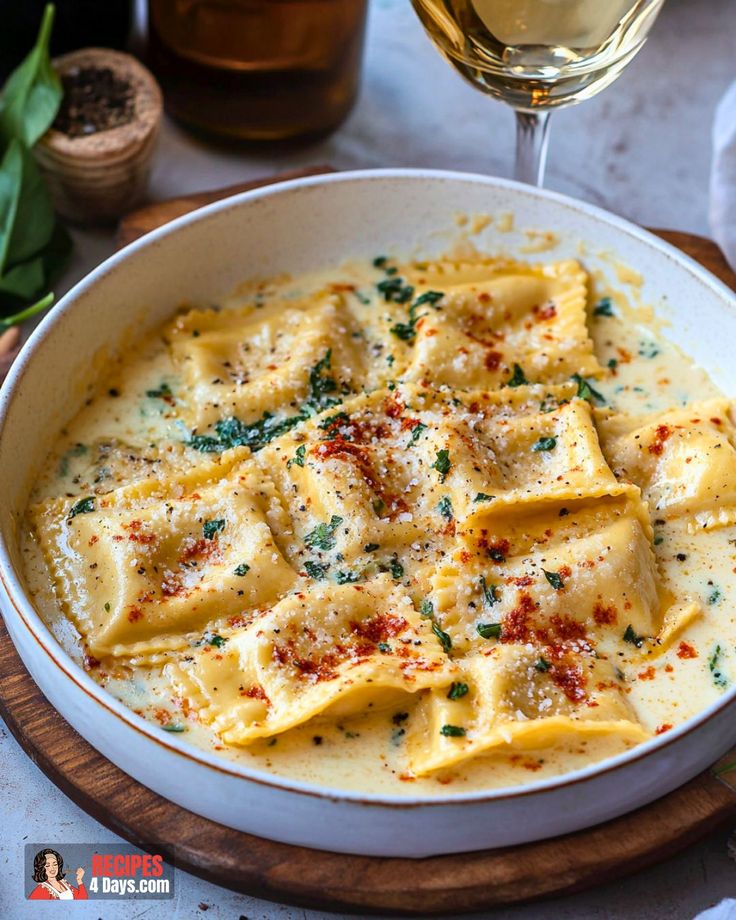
[{"x": 392, "y": 512}]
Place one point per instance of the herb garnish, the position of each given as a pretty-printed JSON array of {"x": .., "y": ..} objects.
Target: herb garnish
[
  {"x": 371, "y": 547},
  {"x": 174, "y": 727},
  {"x": 315, "y": 569},
  {"x": 483, "y": 497},
  {"x": 162, "y": 392},
  {"x": 457, "y": 690},
  {"x": 83, "y": 506},
  {"x": 586, "y": 391},
  {"x": 214, "y": 639},
  {"x": 555, "y": 579},
  {"x": 426, "y": 610},
  {"x": 232, "y": 432},
  {"x": 242, "y": 569},
  {"x": 604, "y": 307},
  {"x": 719, "y": 678},
  {"x": 489, "y": 630},
  {"x": 452, "y": 731},
  {"x": 298, "y": 458},
  {"x": 396, "y": 568},
  {"x": 542, "y": 665},
  {"x": 442, "y": 464},
  {"x": 544, "y": 444},
  {"x": 631, "y": 636},
  {"x": 517, "y": 378},
  {"x": 417, "y": 432},
  {"x": 346, "y": 578},
  {"x": 444, "y": 506},
  {"x": 323, "y": 535},
  {"x": 210, "y": 528},
  {"x": 490, "y": 595},
  {"x": 445, "y": 640}
]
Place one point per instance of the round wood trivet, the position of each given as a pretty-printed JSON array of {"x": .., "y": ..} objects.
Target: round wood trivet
[{"x": 315, "y": 878}]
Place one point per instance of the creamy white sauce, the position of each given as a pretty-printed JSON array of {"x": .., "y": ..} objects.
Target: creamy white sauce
[{"x": 646, "y": 374}]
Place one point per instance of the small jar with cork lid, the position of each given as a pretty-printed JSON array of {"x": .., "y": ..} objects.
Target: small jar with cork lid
[{"x": 97, "y": 155}]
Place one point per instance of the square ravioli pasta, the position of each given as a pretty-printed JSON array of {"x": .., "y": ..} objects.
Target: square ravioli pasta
[
  {"x": 242, "y": 364},
  {"x": 684, "y": 460},
  {"x": 513, "y": 696},
  {"x": 396, "y": 466},
  {"x": 142, "y": 568},
  {"x": 498, "y": 322},
  {"x": 338, "y": 648}
]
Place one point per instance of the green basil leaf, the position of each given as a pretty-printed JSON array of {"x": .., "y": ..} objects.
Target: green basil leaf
[{"x": 32, "y": 93}]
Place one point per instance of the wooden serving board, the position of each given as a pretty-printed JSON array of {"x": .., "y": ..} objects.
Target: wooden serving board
[{"x": 451, "y": 884}]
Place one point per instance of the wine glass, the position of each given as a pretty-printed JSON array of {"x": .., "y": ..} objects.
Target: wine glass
[{"x": 538, "y": 55}]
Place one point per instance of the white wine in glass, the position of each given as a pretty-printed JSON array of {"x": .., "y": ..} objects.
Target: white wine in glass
[{"x": 537, "y": 55}]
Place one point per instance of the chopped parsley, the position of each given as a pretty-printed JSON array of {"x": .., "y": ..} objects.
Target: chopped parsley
[
  {"x": 714, "y": 596},
  {"x": 346, "y": 578},
  {"x": 545, "y": 444},
  {"x": 396, "y": 568},
  {"x": 452, "y": 731},
  {"x": 490, "y": 595},
  {"x": 604, "y": 307},
  {"x": 323, "y": 535},
  {"x": 416, "y": 432},
  {"x": 380, "y": 261},
  {"x": 174, "y": 727},
  {"x": 430, "y": 297},
  {"x": 457, "y": 690},
  {"x": 232, "y": 432},
  {"x": 162, "y": 392},
  {"x": 83, "y": 506},
  {"x": 394, "y": 290},
  {"x": 298, "y": 458},
  {"x": 555, "y": 579},
  {"x": 442, "y": 464},
  {"x": 321, "y": 384},
  {"x": 445, "y": 640},
  {"x": 407, "y": 331},
  {"x": 586, "y": 391},
  {"x": 384, "y": 648},
  {"x": 214, "y": 639},
  {"x": 315, "y": 570},
  {"x": 719, "y": 678},
  {"x": 612, "y": 363},
  {"x": 489, "y": 630},
  {"x": 631, "y": 636},
  {"x": 210, "y": 528},
  {"x": 483, "y": 497},
  {"x": 332, "y": 421},
  {"x": 426, "y": 610},
  {"x": 542, "y": 665},
  {"x": 517, "y": 378},
  {"x": 444, "y": 506},
  {"x": 242, "y": 569}
]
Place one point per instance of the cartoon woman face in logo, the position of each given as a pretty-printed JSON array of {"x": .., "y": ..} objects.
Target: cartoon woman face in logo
[{"x": 48, "y": 871}]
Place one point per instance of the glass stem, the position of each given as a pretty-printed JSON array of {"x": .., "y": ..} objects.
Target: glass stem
[{"x": 531, "y": 146}]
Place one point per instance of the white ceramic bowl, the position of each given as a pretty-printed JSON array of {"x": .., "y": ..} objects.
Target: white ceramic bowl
[{"x": 294, "y": 227}]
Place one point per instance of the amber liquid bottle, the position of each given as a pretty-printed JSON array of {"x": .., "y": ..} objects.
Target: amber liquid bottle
[{"x": 259, "y": 70}]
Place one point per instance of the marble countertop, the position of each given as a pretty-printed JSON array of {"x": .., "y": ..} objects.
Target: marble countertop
[{"x": 641, "y": 149}]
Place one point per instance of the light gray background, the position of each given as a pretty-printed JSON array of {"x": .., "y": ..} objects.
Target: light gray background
[{"x": 640, "y": 149}]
